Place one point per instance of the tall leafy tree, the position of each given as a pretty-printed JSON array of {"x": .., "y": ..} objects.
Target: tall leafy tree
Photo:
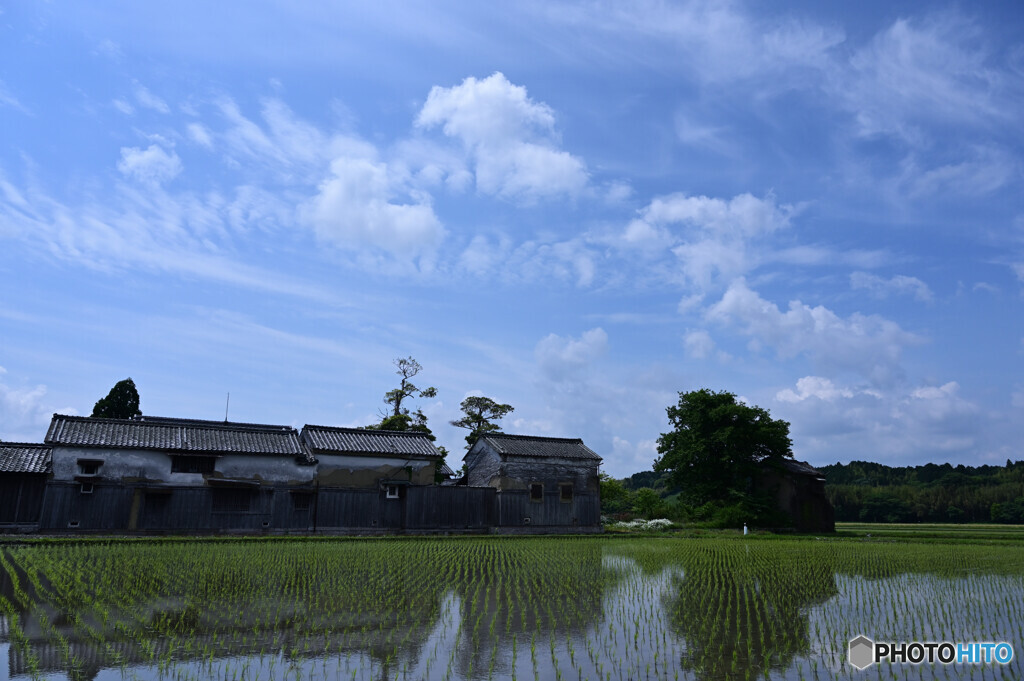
[
  {"x": 479, "y": 416},
  {"x": 716, "y": 444},
  {"x": 398, "y": 415},
  {"x": 122, "y": 402}
]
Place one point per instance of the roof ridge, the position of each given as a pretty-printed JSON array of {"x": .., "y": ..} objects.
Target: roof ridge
[
  {"x": 347, "y": 429},
  {"x": 534, "y": 437},
  {"x": 175, "y": 421},
  {"x": 25, "y": 444}
]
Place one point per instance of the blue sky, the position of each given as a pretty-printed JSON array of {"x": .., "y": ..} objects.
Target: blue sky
[{"x": 580, "y": 209}]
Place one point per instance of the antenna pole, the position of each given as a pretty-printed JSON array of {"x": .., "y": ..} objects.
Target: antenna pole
[{"x": 226, "y": 405}]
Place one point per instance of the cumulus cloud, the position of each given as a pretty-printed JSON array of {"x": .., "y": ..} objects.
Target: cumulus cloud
[
  {"x": 354, "y": 208},
  {"x": 868, "y": 345},
  {"x": 901, "y": 425},
  {"x": 510, "y": 138},
  {"x": 699, "y": 344},
  {"x": 151, "y": 165},
  {"x": 815, "y": 387},
  {"x": 713, "y": 240},
  {"x": 24, "y": 412},
  {"x": 563, "y": 358},
  {"x": 897, "y": 285}
]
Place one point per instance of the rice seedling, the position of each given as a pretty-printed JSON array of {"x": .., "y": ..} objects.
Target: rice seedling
[{"x": 482, "y": 608}]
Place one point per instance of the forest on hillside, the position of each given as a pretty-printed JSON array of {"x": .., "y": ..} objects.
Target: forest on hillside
[
  {"x": 862, "y": 491},
  {"x": 873, "y": 492}
]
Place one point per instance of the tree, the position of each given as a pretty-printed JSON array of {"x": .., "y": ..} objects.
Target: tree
[
  {"x": 398, "y": 417},
  {"x": 122, "y": 402},
  {"x": 406, "y": 367},
  {"x": 714, "y": 450},
  {"x": 479, "y": 414}
]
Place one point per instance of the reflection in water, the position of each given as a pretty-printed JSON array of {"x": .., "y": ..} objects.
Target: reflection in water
[
  {"x": 743, "y": 613},
  {"x": 493, "y": 608}
]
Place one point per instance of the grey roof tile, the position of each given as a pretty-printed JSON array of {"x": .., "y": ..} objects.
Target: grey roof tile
[
  {"x": 184, "y": 435},
  {"x": 23, "y": 457},
  {"x": 545, "y": 447},
  {"x": 800, "y": 468},
  {"x": 360, "y": 441}
]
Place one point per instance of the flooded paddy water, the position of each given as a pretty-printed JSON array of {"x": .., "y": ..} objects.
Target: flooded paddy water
[{"x": 716, "y": 608}]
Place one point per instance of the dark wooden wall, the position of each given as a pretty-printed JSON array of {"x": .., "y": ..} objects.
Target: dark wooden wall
[
  {"x": 517, "y": 509},
  {"x": 116, "y": 508},
  {"x": 21, "y": 498}
]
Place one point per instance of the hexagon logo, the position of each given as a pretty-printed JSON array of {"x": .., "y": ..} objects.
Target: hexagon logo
[{"x": 862, "y": 652}]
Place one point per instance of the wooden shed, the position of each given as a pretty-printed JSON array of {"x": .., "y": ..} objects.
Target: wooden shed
[{"x": 542, "y": 482}]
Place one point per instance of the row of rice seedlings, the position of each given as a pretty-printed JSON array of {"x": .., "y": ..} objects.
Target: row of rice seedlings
[{"x": 490, "y": 608}]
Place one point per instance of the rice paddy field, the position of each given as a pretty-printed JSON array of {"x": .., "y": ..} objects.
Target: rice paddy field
[{"x": 715, "y": 607}]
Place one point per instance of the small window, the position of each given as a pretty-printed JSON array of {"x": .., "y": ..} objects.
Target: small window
[
  {"x": 87, "y": 488},
  {"x": 72, "y": 524},
  {"x": 192, "y": 464},
  {"x": 301, "y": 501},
  {"x": 536, "y": 491},
  {"x": 392, "y": 491},
  {"x": 89, "y": 466},
  {"x": 565, "y": 492}
]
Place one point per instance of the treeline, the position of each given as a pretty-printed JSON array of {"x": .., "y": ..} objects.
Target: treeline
[{"x": 873, "y": 492}]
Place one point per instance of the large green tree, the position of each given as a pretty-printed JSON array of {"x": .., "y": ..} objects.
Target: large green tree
[
  {"x": 479, "y": 416},
  {"x": 122, "y": 402},
  {"x": 716, "y": 445}
]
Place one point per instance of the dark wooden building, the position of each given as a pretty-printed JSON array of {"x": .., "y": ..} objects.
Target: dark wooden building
[
  {"x": 163, "y": 475},
  {"x": 799, "y": 491},
  {"x": 24, "y": 470},
  {"x": 542, "y": 483}
]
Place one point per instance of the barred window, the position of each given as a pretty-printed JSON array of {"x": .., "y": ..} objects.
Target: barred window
[
  {"x": 536, "y": 491},
  {"x": 192, "y": 464},
  {"x": 565, "y": 492}
]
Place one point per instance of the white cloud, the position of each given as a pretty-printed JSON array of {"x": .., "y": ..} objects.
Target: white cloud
[
  {"x": 699, "y": 344},
  {"x": 353, "y": 209},
  {"x": 813, "y": 386},
  {"x": 123, "y": 106},
  {"x": 714, "y": 240},
  {"x": 200, "y": 135},
  {"x": 148, "y": 100},
  {"x": 898, "y": 425},
  {"x": 562, "y": 359},
  {"x": 24, "y": 412},
  {"x": 150, "y": 165},
  {"x": 10, "y": 101},
  {"x": 716, "y": 42},
  {"x": 510, "y": 138},
  {"x": 920, "y": 71},
  {"x": 868, "y": 345},
  {"x": 897, "y": 285}
]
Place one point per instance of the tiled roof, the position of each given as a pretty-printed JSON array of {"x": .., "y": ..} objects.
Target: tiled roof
[
  {"x": 800, "y": 468},
  {"x": 184, "y": 435},
  {"x": 446, "y": 470},
  {"x": 544, "y": 447},
  {"x": 21, "y": 457},
  {"x": 360, "y": 441}
]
